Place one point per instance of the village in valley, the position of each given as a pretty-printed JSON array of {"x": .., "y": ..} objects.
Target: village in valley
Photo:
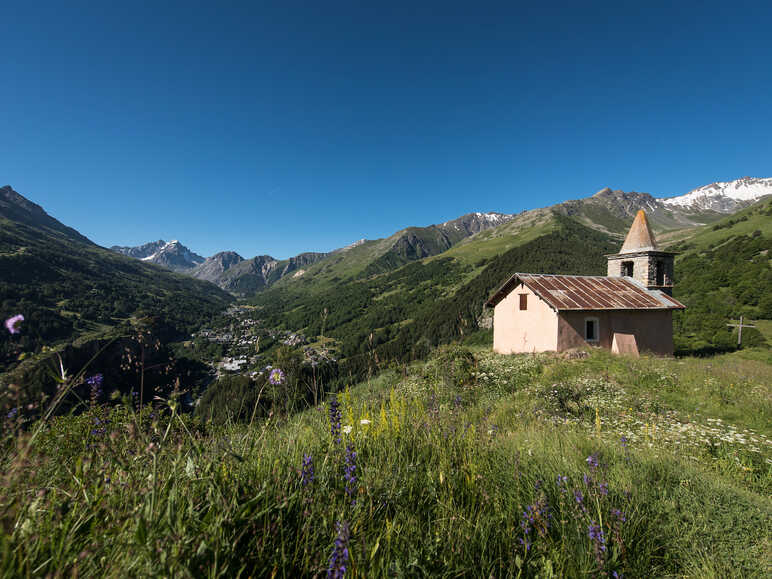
[{"x": 242, "y": 344}]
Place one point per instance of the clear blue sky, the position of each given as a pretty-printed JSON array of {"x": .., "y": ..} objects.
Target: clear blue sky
[{"x": 287, "y": 126}]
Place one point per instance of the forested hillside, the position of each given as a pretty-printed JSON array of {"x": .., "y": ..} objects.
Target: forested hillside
[
  {"x": 723, "y": 273},
  {"x": 66, "y": 287},
  {"x": 401, "y": 315}
]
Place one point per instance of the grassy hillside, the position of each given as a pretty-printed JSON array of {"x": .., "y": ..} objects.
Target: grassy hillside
[{"x": 472, "y": 464}]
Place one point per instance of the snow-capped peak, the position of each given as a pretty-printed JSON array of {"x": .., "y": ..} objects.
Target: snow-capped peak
[{"x": 723, "y": 196}]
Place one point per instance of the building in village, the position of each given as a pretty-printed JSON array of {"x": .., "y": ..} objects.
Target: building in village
[{"x": 628, "y": 311}]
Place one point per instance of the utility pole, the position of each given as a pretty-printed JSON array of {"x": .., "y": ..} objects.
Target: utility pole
[{"x": 740, "y": 327}]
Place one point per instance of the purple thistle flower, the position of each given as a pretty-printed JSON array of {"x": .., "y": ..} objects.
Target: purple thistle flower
[
  {"x": 339, "y": 556},
  {"x": 349, "y": 474},
  {"x": 13, "y": 323},
  {"x": 276, "y": 377},
  {"x": 307, "y": 472},
  {"x": 335, "y": 417}
]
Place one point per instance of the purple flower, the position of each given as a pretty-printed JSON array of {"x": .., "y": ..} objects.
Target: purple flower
[
  {"x": 349, "y": 474},
  {"x": 619, "y": 515},
  {"x": 13, "y": 322},
  {"x": 536, "y": 517},
  {"x": 12, "y": 414},
  {"x": 276, "y": 377},
  {"x": 578, "y": 496},
  {"x": 339, "y": 556},
  {"x": 592, "y": 461},
  {"x": 603, "y": 488},
  {"x": 95, "y": 382},
  {"x": 335, "y": 417},
  {"x": 307, "y": 472},
  {"x": 596, "y": 535}
]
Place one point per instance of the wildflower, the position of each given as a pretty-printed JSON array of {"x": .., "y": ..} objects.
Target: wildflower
[
  {"x": 339, "y": 556},
  {"x": 12, "y": 414},
  {"x": 335, "y": 419},
  {"x": 13, "y": 323},
  {"x": 364, "y": 421},
  {"x": 347, "y": 429},
  {"x": 592, "y": 461},
  {"x": 95, "y": 382},
  {"x": 579, "y": 497},
  {"x": 603, "y": 488},
  {"x": 307, "y": 472},
  {"x": 276, "y": 377},
  {"x": 349, "y": 473},
  {"x": 619, "y": 515},
  {"x": 596, "y": 536}
]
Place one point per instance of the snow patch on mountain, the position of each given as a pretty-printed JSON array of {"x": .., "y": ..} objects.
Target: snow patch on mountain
[{"x": 724, "y": 197}]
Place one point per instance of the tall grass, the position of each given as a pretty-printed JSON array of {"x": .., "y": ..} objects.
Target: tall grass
[{"x": 517, "y": 468}]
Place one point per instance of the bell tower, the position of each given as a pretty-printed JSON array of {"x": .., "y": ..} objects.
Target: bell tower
[{"x": 641, "y": 259}]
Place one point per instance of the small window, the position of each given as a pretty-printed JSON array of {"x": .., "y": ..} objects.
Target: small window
[
  {"x": 523, "y": 301},
  {"x": 591, "y": 329},
  {"x": 627, "y": 268}
]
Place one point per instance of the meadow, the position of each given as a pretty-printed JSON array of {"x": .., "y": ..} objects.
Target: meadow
[{"x": 467, "y": 464}]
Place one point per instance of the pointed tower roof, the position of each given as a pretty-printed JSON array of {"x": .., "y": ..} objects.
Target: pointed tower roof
[{"x": 640, "y": 237}]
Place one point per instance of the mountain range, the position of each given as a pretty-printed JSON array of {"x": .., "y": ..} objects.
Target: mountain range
[
  {"x": 398, "y": 296},
  {"x": 608, "y": 210}
]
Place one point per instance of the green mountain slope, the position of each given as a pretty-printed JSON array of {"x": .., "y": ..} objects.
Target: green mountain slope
[
  {"x": 402, "y": 313},
  {"x": 67, "y": 287},
  {"x": 373, "y": 257},
  {"x": 723, "y": 272},
  {"x": 608, "y": 211}
]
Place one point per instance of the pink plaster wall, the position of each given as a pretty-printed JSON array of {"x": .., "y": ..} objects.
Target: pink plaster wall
[
  {"x": 531, "y": 330},
  {"x": 653, "y": 330}
]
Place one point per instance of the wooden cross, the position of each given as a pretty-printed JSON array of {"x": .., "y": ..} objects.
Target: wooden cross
[{"x": 740, "y": 327}]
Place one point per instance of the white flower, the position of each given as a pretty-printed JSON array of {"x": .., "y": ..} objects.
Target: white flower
[
  {"x": 346, "y": 429},
  {"x": 364, "y": 421}
]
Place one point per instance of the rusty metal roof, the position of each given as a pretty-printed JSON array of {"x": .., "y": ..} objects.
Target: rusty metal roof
[{"x": 586, "y": 292}]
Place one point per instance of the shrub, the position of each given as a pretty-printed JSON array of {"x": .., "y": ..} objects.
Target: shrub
[{"x": 455, "y": 365}]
